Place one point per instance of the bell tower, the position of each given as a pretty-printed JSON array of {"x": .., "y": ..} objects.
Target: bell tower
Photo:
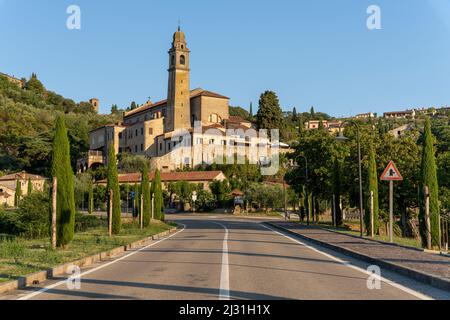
[{"x": 178, "y": 95}]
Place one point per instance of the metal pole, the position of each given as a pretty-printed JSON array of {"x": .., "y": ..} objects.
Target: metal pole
[
  {"x": 285, "y": 200},
  {"x": 111, "y": 194},
  {"x": 54, "y": 208},
  {"x": 360, "y": 183},
  {"x": 391, "y": 211},
  {"x": 427, "y": 216},
  {"x": 372, "y": 231}
]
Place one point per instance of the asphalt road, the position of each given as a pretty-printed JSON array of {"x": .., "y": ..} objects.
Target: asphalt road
[{"x": 217, "y": 257}]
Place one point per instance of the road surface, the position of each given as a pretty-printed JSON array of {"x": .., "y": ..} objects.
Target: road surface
[{"x": 221, "y": 257}]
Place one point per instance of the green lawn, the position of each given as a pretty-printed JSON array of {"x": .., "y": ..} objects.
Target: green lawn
[{"x": 22, "y": 257}]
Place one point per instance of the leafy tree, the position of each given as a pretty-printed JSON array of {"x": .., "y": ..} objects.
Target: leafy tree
[
  {"x": 372, "y": 187},
  {"x": 337, "y": 191},
  {"x": 133, "y": 105},
  {"x": 269, "y": 115},
  {"x": 240, "y": 112},
  {"x": 158, "y": 196},
  {"x": 62, "y": 170},
  {"x": 113, "y": 184},
  {"x": 18, "y": 193},
  {"x": 428, "y": 177},
  {"x": 145, "y": 187},
  {"x": 35, "y": 85}
]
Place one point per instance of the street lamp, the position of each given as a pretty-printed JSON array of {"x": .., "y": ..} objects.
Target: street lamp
[
  {"x": 306, "y": 185},
  {"x": 341, "y": 137}
]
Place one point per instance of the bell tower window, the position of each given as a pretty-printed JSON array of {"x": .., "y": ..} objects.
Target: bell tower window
[{"x": 182, "y": 60}]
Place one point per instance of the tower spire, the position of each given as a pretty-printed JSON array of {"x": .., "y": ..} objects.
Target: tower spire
[{"x": 179, "y": 25}]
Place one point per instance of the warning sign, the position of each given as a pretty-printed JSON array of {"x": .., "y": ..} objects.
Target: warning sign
[{"x": 391, "y": 173}]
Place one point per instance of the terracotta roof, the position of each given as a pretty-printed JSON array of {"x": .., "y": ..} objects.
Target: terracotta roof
[
  {"x": 21, "y": 176},
  {"x": 399, "y": 112},
  {"x": 236, "y": 119},
  {"x": 112, "y": 125},
  {"x": 237, "y": 192},
  {"x": 170, "y": 176},
  {"x": 194, "y": 93}
]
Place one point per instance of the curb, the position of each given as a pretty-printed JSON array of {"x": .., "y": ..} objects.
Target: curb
[
  {"x": 434, "y": 281},
  {"x": 41, "y": 276}
]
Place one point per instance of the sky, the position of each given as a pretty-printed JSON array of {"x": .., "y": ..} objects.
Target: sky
[{"x": 310, "y": 52}]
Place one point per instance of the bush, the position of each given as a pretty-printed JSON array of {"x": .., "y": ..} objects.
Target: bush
[
  {"x": 86, "y": 222},
  {"x": 205, "y": 201},
  {"x": 8, "y": 223},
  {"x": 33, "y": 216}
]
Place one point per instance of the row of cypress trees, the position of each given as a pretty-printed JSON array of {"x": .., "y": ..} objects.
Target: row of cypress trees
[
  {"x": 62, "y": 170},
  {"x": 428, "y": 177}
]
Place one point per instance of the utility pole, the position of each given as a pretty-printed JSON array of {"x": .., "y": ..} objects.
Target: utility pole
[
  {"x": 427, "y": 216},
  {"x": 54, "y": 208},
  {"x": 110, "y": 209},
  {"x": 372, "y": 231}
]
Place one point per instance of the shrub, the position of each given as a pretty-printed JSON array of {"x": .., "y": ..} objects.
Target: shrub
[
  {"x": 205, "y": 201},
  {"x": 33, "y": 217},
  {"x": 86, "y": 222}
]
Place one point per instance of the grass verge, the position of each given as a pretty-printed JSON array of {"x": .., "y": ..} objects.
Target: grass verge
[{"x": 21, "y": 257}]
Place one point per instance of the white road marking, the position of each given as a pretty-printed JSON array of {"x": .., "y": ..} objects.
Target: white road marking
[
  {"x": 224, "y": 292},
  {"x": 60, "y": 283},
  {"x": 348, "y": 264}
]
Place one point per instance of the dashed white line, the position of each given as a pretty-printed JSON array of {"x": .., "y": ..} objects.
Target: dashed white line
[{"x": 224, "y": 291}]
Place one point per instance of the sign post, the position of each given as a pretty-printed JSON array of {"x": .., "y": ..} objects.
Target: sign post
[{"x": 391, "y": 174}]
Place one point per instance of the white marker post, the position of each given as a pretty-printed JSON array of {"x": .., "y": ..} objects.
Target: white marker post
[
  {"x": 391, "y": 174},
  {"x": 194, "y": 198}
]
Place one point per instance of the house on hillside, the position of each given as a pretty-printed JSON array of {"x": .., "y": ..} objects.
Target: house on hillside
[{"x": 8, "y": 185}]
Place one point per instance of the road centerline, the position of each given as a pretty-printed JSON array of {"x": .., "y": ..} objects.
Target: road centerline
[{"x": 224, "y": 291}]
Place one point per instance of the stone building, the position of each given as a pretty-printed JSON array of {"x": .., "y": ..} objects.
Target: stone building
[
  {"x": 152, "y": 130},
  {"x": 13, "y": 79},
  {"x": 8, "y": 186}
]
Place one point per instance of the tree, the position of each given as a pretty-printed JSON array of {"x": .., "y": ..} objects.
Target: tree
[
  {"x": 372, "y": 187},
  {"x": 133, "y": 105},
  {"x": 91, "y": 198},
  {"x": 18, "y": 193},
  {"x": 113, "y": 184},
  {"x": 29, "y": 187},
  {"x": 62, "y": 170},
  {"x": 145, "y": 187},
  {"x": 269, "y": 115},
  {"x": 294, "y": 114},
  {"x": 312, "y": 113},
  {"x": 35, "y": 85},
  {"x": 428, "y": 178},
  {"x": 251, "y": 109},
  {"x": 158, "y": 196},
  {"x": 137, "y": 198},
  {"x": 337, "y": 191}
]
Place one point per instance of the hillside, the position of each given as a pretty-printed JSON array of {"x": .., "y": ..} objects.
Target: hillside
[{"x": 26, "y": 125}]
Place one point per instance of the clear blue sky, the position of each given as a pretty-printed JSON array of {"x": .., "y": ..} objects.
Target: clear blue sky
[{"x": 311, "y": 52}]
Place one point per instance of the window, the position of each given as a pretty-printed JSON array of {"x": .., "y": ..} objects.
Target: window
[
  {"x": 120, "y": 135},
  {"x": 150, "y": 131},
  {"x": 135, "y": 149},
  {"x": 160, "y": 146},
  {"x": 142, "y": 147},
  {"x": 142, "y": 131},
  {"x": 215, "y": 118},
  {"x": 182, "y": 60},
  {"x": 136, "y": 132}
]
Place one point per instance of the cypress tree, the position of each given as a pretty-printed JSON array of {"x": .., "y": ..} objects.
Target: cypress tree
[
  {"x": 113, "y": 184},
  {"x": 30, "y": 187},
  {"x": 18, "y": 194},
  {"x": 62, "y": 170},
  {"x": 157, "y": 193},
  {"x": 372, "y": 186},
  {"x": 337, "y": 191},
  {"x": 251, "y": 109},
  {"x": 269, "y": 115},
  {"x": 428, "y": 177},
  {"x": 145, "y": 187},
  {"x": 294, "y": 114},
  {"x": 91, "y": 198}
]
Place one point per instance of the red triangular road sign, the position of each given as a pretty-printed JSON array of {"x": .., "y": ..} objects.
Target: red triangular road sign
[{"x": 391, "y": 173}]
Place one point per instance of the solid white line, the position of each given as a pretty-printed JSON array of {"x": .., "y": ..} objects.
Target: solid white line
[
  {"x": 348, "y": 264},
  {"x": 224, "y": 292},
  {"x": 34, "y": 294}
]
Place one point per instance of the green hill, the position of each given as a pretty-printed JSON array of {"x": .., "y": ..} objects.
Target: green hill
[{"x": 27, "y": 119}]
